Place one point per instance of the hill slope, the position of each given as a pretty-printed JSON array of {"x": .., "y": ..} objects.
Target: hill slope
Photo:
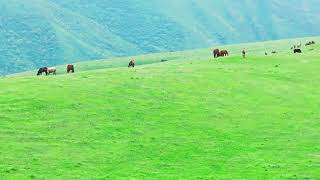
[
  {"x": 37, "y": 33},
  {"x": 190, "y": 117}
]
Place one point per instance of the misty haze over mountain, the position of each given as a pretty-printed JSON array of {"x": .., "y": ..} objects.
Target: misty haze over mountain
[{"x": 35, "y": 33}]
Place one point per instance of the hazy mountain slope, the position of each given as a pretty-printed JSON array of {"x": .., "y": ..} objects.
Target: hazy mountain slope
[
  {"x": 44, "y": 33},
  {"x": 37, "y": 33}
]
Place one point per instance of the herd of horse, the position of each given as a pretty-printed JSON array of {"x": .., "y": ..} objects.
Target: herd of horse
[
  {"x": 70, "y": 69},
  {"x": 296, "y": 49},
  {"x": 220, "y": 53},
  {"x": 216, "y": 53},
  {"x": 53, "y": 70}
]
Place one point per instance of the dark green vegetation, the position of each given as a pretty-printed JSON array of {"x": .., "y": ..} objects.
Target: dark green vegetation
[
  {"x": 36, "y": 33},
  {"x": 190, "y": 117}
]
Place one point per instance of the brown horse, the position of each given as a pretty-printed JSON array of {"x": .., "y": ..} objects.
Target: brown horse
[
  {"x": 224, "y": 53},
  {"x": 42, "y": 70},
  {"x": 131, "y": 63},
  {"x": 70, "y": 68},
  {"x": 216, "y": 53},
  {"x": 52, "y": 70}
]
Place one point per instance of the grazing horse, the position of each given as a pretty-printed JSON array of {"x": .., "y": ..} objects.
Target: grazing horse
[
  {"x": 224, "y": 53},
  {"x": 216, "y": 53},
  {"x": 297, "y": 51},
  {"x": 42, "y": 70},
  {"x": 52, "y": 70},
  {"x": 70, "y": 68},
  {"x": 310, "y": 43},
  {"x": 131, "y": 63}
]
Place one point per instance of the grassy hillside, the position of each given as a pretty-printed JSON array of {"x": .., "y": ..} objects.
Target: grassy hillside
[
  {"x": 255, "y": 49},
  {"x": 37, "y": 33},
  {"x": 187, "y": 118}
]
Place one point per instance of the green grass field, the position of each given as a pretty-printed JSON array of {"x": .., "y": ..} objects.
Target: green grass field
[{"x": 191, "y": 117}]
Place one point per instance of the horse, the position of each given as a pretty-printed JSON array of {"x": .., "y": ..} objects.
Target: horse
[
  {"x": 224, "y": 53},
  {"x": 244, "y": 53},
  {"x": 216, "y": 53},
  {"x": 52, "y": 70},
  {"x": 70, "y": 68},
  {"x": 131, "y": 63},
  {"x": 274, "y": 52},
  {"x": 297, "y": 51},
  {"x": 42, "y": 70},
  {"x": 310, "y": 43}
]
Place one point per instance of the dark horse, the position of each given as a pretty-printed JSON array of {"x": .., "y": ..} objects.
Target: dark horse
[
  {"x": 297, "y": 51},
  {"x": 310, "y": 43},
  {"x": 224, "y": 53},
  {"x": 131, "y": 63},
  {"x": 216, "y": 53},
  {"x": 70, "y": 68},
  {"x": 42, "y": 70}
]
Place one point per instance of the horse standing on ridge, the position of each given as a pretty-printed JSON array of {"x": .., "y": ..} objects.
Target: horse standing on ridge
[
  {"x": 52, "y": 70},
  {"x": 297, "y": 51},
  {"x": 224, "y": 53},
  {"x": 42, "y": 70},
  {"x": 216, "y": 53},
  {"x": 131, "y": 63},
  {"x": 70, "y": 68}
]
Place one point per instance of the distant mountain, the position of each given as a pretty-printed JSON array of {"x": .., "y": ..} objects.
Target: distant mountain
[{"x": 36, "y": 33}]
